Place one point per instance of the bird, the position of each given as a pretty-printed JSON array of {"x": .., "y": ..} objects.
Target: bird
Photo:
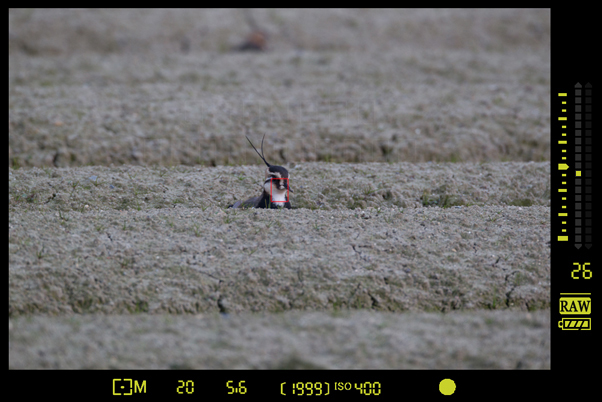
[
  {"x": 276, "y": 187},
  {"x": 256, "y": 41}
]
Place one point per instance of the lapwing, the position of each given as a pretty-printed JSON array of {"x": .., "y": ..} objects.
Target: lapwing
[
  {"x": 276, "y": 188},
  {"x": 256, "y": 40}
]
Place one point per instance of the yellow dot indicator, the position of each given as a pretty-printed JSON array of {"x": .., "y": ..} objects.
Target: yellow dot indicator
[
  {"x": 578, "y": 173},
  {"x": 447, "y": 387}
]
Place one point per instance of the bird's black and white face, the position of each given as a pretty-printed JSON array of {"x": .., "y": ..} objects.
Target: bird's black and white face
[{"x": 277, "y": 183}]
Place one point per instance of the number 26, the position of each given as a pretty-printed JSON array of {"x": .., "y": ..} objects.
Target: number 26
[{"x": 587, "y": 273}]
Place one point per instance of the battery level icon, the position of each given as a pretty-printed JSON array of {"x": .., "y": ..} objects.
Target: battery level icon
[
  {"x": 575, "y": 304},
  {"x": 574, "y": 324}
]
